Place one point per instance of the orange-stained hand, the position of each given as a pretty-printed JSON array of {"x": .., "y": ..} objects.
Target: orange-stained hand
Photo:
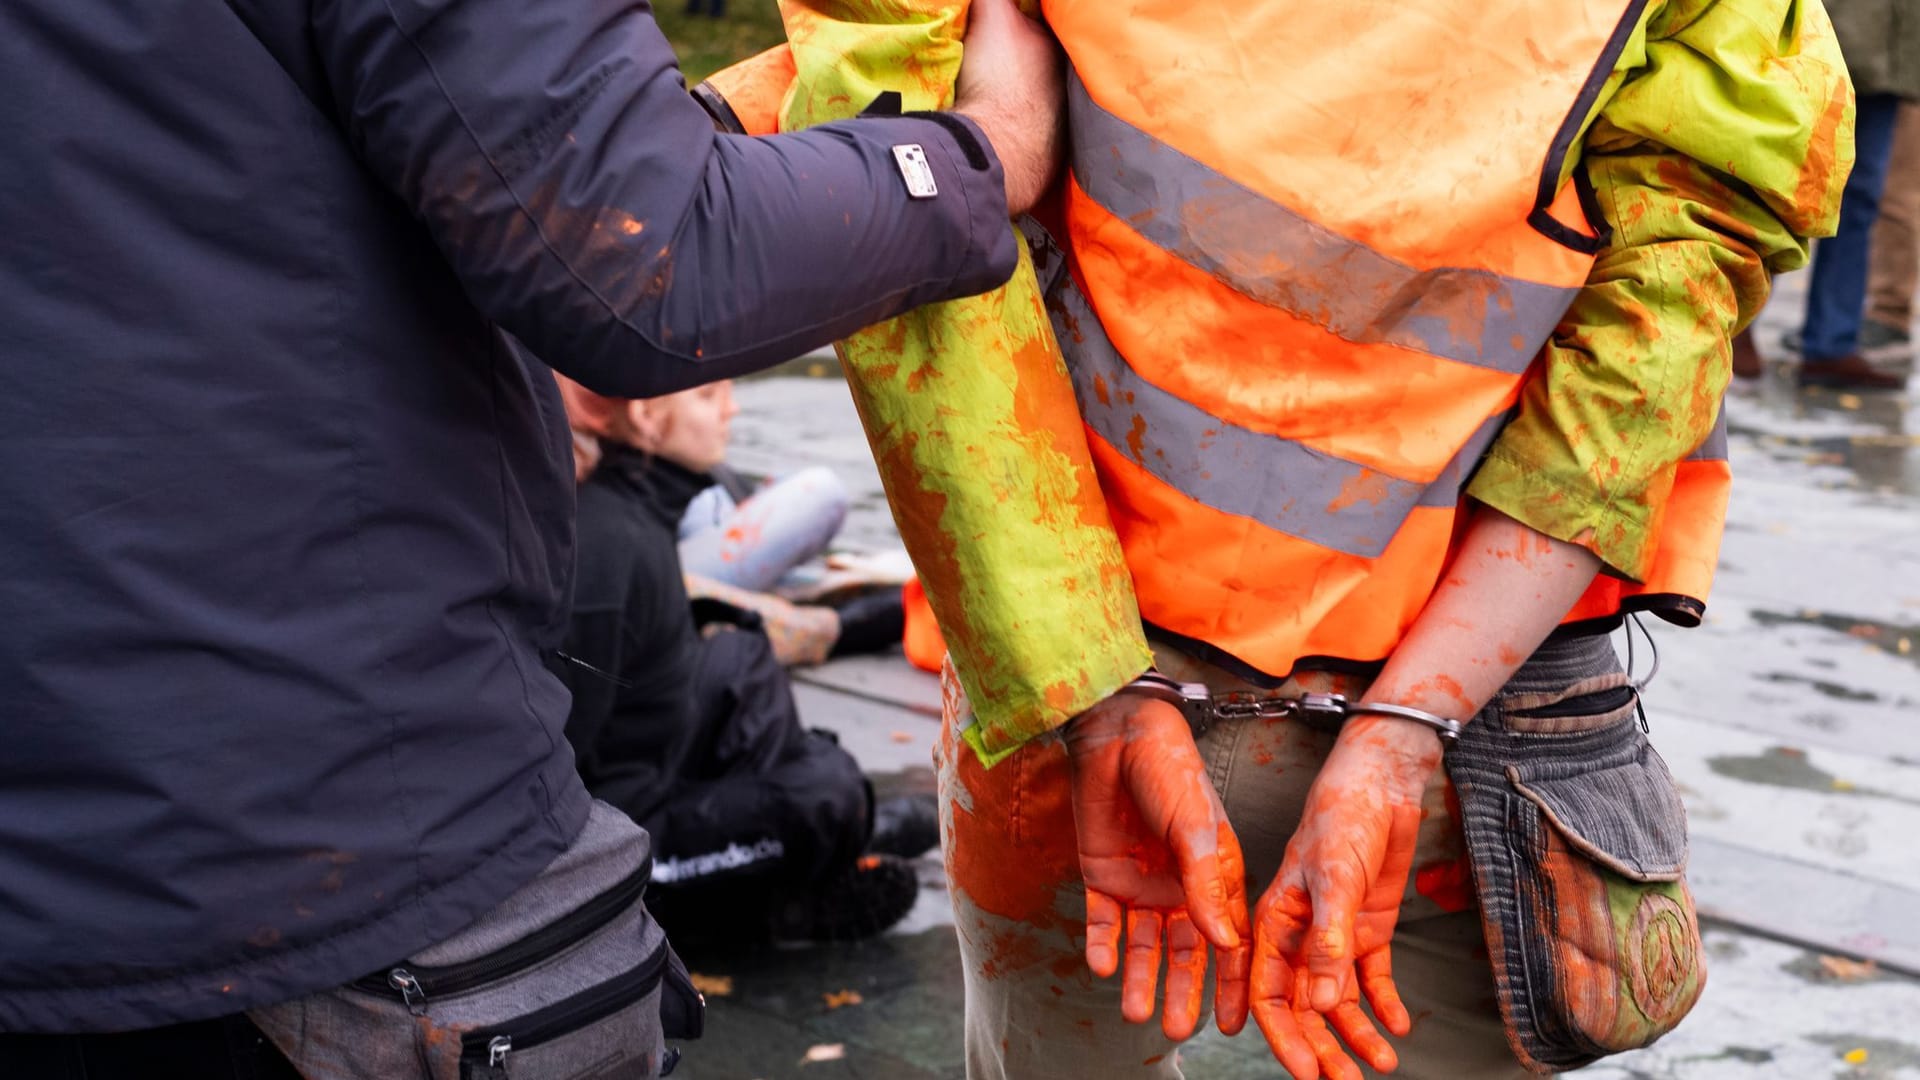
[
  {"x": 1158, "y": 857},
  {"x": 1333, "y": 905}
]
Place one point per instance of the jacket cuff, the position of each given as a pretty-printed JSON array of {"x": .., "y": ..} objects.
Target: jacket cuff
[
  {"x": 998, "y": 727},
  {"x": 964, "y": 164}
]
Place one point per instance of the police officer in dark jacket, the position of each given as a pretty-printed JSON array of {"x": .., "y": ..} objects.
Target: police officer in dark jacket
[{"x": 284, "y": 525}]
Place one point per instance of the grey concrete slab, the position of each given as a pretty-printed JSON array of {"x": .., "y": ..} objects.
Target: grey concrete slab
[
  {"x": 1852, "y": 813},
  {"x": 1798, "y": 902},
  {"x": 887, "y": 679},
  {"x": 1804, "y": 677},
  {"x": 886, "y": 738},
  {"x": 889, "y": 1006}
]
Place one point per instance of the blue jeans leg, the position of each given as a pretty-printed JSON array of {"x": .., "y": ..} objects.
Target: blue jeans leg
[{"x": 1837, "y": 296}]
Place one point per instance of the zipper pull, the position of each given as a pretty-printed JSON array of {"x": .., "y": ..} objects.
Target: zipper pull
[
  {"x": 410, "y": 992},
  {"x": 496, "y": 1066},
  {"x": 566, "y": 657}
]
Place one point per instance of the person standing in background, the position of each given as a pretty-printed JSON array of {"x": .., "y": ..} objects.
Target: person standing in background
[
  {"x": 1893, "y": 272},
  {"x": 1881, "y": 42}
]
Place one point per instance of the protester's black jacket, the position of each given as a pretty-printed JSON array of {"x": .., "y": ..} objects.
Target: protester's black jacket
[
  {"x": 632, "y": 648},
  {"x": 698, "y": 738},
  {"x": 283, "y": 529}
]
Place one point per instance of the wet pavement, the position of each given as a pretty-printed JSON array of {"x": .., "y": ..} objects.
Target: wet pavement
[{"x": 1791, "y": 719}]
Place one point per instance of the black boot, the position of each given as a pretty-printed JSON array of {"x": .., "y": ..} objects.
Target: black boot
[
  {"x": 870, "y": 624},
  {"x": 907, "y": 826},
  {"x": 869, "y": 896}
]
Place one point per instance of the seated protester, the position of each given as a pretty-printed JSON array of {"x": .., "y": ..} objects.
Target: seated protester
[
  {"x": 761, "y": 828},
  {"x": 737, "y": 544}
]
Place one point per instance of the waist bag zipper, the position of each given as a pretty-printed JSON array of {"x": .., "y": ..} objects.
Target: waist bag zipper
[
  {"x": 413, "y": 985},
  {"x": 494, "y": 1045}
]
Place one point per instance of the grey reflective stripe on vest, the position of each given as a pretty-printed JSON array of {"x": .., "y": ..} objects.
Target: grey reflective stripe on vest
[
  {"x": 1271, "y": 254},
  {"x": 1714, "y": 448},
  {"x": 1282, "y": 484}
]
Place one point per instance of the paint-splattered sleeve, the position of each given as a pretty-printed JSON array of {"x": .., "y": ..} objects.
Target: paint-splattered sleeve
[{"x": 1719, "y": 148}]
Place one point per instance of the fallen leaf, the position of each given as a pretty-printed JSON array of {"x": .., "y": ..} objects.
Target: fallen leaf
[
  {"x": 1857, "y": 1056},
  {"x": 1842, "y": 969},
  {"x": 838, "y": 998},
  {"x": 712, "y": 985},
  {"x": 902, "y": 736},
  {"x": 836, "y": 1051}
]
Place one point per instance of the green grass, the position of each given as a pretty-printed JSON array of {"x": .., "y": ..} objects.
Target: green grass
[{"x": 705, "y": 44}]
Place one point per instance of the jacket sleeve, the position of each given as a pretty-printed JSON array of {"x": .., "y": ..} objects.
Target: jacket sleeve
[
  {"x": 1723, "y": 146},
  {"x": 588, "y": 206}
]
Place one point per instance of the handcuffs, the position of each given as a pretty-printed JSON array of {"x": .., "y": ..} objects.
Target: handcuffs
[{"x": 1203, "y": 708}]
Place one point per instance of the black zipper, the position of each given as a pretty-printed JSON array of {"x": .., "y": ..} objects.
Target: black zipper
[
  {"x": 1593, "y": 704},
  {"x": 413, "y": 984},
  {"x": 490, "y": 1046}
]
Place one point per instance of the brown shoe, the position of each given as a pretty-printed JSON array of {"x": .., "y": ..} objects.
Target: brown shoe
[
  {"x": 1746, "y": 356},
  {"x": 1849, "y": 372}
]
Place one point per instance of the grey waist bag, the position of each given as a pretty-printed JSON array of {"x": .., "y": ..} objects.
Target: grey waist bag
[
  {"x": 591, "y": 995},
  {"x": 1579, "y": 848}
]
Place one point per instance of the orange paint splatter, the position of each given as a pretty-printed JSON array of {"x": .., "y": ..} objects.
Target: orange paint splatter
[
  {"x": 1136, "y": 438},
  {"x": 1368, "y": 487},
  {"x": 1448, "y": 884}
]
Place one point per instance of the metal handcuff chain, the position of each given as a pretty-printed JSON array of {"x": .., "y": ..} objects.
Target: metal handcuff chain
[{"x": 1203, "y": 708}]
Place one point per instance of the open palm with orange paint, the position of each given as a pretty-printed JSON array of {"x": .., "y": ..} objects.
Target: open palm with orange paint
[
  {"x": 1323, "y": 928},
  {"x": 1161, "y": 864}
]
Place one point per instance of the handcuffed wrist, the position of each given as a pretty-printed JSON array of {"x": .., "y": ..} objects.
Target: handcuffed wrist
[{"x": 1446, "y": 728}]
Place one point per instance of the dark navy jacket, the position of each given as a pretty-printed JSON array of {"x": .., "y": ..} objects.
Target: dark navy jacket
[{"x": 284, "y": 528}]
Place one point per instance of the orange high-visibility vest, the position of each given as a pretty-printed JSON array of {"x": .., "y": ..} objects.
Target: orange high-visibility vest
[{"x": 1313, "y": 250}]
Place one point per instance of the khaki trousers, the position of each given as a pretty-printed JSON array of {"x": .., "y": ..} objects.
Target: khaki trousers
[
  {"x": 1893, "y": 272},
  {"x": 1034, "y": 1011}
]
